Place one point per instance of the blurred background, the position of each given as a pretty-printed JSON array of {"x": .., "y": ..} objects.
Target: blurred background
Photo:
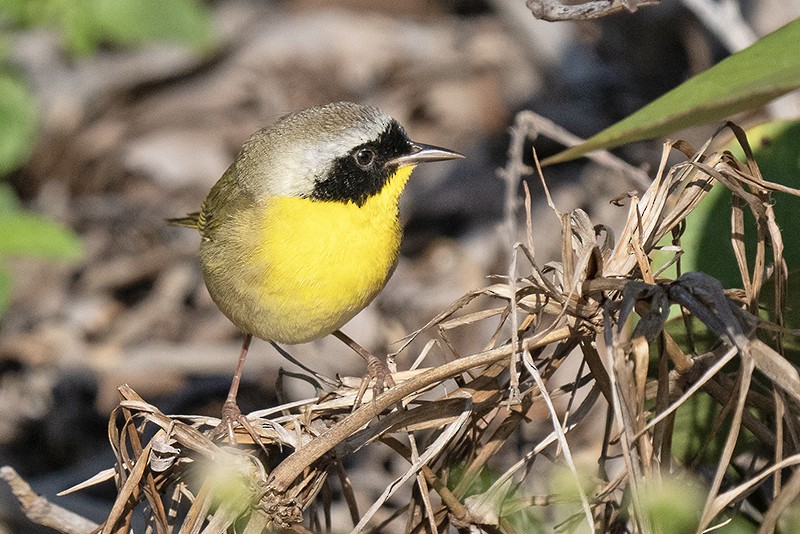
[{"x": 119, "y": 114}]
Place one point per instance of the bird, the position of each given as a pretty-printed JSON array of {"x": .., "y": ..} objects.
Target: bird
[{"x": 302, "y": 231}]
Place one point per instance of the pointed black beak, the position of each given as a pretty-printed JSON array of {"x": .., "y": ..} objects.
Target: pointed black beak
[{"x": 424, "y": 153}]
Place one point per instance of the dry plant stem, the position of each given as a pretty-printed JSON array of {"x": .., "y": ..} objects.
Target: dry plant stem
[
  {"x": 259, "y": 522},
  {"x": 285, "y": 474},
  {"x": 422, "y": 485},
  {"x": 347, "y": 491},
  {"x": 150, "y": 490},
  {"x": 127, "y": 492},
  {"x": 128, "y": 486},
  {"x": 492, "y": 446},
  {"x": 705, "y": 375},
  {"x": 533, "y": 124},
  {"x": 767, "y": 226},
  {"x": 745, "y": 377},
  {"x": 554, "y": 11},
  {"x": 738, "y": 492},
  {"x": 425, "y": 497},
  {"x": 780, "y": 410},
  {"x": 512, "y": 174},
  {"x": 557, "y": 428},
  {"x": 407, "y": 508},
  {"x": 294, "y": 529},
  {"x": 598, "y": 370},
  {"x": 721, "y": 393},
  {"x": 680, "y": 360},
  {"x": 448, "y": 433},
  {"x": 662, "y": 402},
  {"x": 41, "y": 511},
  {"x": 633, "y": 466},
  {"x": 783, "y": 499},
  {"x": 454, "y": 506}
]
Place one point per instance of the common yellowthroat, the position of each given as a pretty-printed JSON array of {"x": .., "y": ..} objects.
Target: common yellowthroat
[{"x": 302, "y": 231}]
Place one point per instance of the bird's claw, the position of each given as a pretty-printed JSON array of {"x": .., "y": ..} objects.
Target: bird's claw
[
  {"x": 232, "y": 415},
  {"x": 379, "y": 371}
]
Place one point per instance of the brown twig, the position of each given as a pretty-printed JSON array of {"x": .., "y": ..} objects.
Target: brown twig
[
  {"x": 554, "y": 11},
  {"x": 41, "y": 511}
]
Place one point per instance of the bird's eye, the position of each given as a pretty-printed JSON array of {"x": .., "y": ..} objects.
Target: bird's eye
[{"x": 364, "y": 157}]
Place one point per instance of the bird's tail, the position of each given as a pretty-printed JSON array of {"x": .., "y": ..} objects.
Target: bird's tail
[{"x": 190, "y": 221}]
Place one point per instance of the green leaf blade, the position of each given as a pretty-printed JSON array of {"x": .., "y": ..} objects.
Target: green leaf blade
[
  {"x": 19, "y": 119},
  {"x": 748, "y": 79},
  {"x": 28, "y": 234}
]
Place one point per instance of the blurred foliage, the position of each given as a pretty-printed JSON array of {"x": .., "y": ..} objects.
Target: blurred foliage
[
  {"x": 674, "y": 505},
  {"x": 86, "y": 25},
  {"x": 746, "y": 80},
  {"x": 27, "y": 234},
  {"x": 790, "y": 520},
  {"x": 19, "y": 118}
]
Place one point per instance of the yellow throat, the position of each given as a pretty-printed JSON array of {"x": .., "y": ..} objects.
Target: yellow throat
[{"x": 311, "y": 265}]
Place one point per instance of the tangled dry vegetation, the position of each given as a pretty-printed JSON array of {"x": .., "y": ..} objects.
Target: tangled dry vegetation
[{"x": 605, "y": 306}]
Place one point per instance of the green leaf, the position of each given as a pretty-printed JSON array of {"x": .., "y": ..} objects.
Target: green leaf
[
  {"x": 746, "y": 80},
  {"x": 135, "y": 22},
  {"x": 23, "y": 233},
  {"x": 88, "y": 24},
  {"x": 8, "y": 200},
  {"x": 18, "y": 116},
  {"x": 16, "y": 11}
]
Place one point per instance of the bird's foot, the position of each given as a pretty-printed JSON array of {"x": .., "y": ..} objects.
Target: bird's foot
[
  {"x": 376, "y": 370},
  {"x": 231, "y": 416}
]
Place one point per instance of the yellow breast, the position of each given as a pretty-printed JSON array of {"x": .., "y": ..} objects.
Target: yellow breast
[{"x": 306, "y": 267}]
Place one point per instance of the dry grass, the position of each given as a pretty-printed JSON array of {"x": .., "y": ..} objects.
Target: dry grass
[{"x": 603, "y": 306}]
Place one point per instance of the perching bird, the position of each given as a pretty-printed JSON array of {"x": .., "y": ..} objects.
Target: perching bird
[{"x": 302, "y": 230}]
